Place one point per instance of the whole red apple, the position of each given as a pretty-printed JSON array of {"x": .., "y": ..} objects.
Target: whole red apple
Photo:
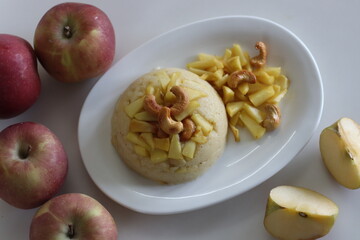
[
  {"x": 20, "y": 84},
  {"x": 75, "y": 42},
  {"x": 73, "y": 216},
  {"x": 33, "y": 164}
]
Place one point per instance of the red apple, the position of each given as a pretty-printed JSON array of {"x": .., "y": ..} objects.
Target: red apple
[
  {"x": 33, "y": 164},
  {"x": 73, "y": 216},
  {"x": 19, "y": 79},
  {"x": 74, "y": 42}
]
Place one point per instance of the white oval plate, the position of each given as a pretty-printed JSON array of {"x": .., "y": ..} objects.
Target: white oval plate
[{"x": 243, "y": 165}]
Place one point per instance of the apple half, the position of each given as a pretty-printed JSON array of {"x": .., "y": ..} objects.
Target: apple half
[
  {"x": 340, "y": 151},
  {"x": 294, "y": 213}
]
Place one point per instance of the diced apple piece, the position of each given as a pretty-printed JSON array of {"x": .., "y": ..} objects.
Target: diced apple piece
[
  {"x": 175, "y": 147},
  {"x": 149, "y": 139},
  {"x": 221, "y": 82},
  {"x": 243, "y": 88},
  {"x": 194, "y": 94},
  {"x": 169, "y": 98},
  {"x": 199, "y": 137},
  {"x": 296, "y": 213},
  {"x": 145, "y": 116},
  {"x": 233, "y": 64},
  {"x": 150, "y": 89},
  {"x": 141, "y": 151},
  {"x": 135, "y": 139},
  {"x": 158, "y": 156},
  {"x": 189, "y": 149},
  {"x": 254, "y": 113},
  {"x": 193, "y": 105},
  {"x": 134, "y": 107},
  {"x": 234, "y": 119},
  {"x": 277, "y": 97},
  {"x": 264, "y": 77},
  {"x": 261, "y": 96},
  {"x": 256, "y": 130},
  {"x": 199, "y": 72},
  {"x": 163, "y": 78},
  {"x": 159, "y": 96},
  {"x": 235, "y": 132},
  {"x": 141, "y": 126},
  {"x": 255, "y": 87},
  {"x": 237, "y": 51},
  {"x": 228, "y": 94},
  {"x": 273, "y": 71},
  {"x": 282, "y": 81},
  {"x": 205, "y": 125},
  {"x": 162, "y": 143},
  {"x": 234, "y": 107},
  {"x": 340, "y": 151}
]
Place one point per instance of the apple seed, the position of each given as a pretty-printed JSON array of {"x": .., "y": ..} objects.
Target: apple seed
[{"x": 302, "y": 214}]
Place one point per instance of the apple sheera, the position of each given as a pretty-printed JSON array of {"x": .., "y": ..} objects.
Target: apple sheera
[
  {"x": 296, "y": 213},
  {"x": 340, "y": 151},
  {"x": 33, "y": 164},
  {"x": 20, "y": 83},
  {"x": 73, "y": 216},
  {"x": 75, "y": 42}
]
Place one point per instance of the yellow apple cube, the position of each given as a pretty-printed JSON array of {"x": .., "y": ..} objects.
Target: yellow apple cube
[
  {"x": 234, "y": 107},
  {"x": 141, "y": 126},
  {"x": 162, "y": 143},
  {"x": 261, "y": 96},
  {"x": 175, "y": 147},
  {"x": 134, "y": 107},
  {"x": 256, "y": 130},
  {"x": 228, "y": 94},
  {"x": 158, "y": 156},
  {"x": 200, "y": 121},
  {"x": 189, "y": 149}
]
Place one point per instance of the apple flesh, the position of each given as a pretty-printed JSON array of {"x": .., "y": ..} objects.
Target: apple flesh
[
  {"x": 340, "y": 151},
  {"x": 73, "y": 216},
  {"x": 33, "y": 164},
  {"x": 294, "y": 213},
  {"x": 20, "y": 84},
  {"x": 75, "y": 42}
]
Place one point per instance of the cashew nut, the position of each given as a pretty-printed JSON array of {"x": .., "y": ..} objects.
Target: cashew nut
[
  {"x": 259, "y": 60},
  {"x": 273, "y": 117},
  {"x": 167, "y": 124},
  {"x": 240, "y": 76},
  {"x": 150, "y": 105},
  {"x": 189, "y": 129},
  {"x": 182, "y": 100}
]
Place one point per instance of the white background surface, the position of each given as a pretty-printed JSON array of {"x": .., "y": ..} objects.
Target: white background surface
[{"x": 328, "y": 28}]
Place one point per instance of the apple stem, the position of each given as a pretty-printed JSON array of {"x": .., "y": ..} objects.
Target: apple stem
[
  {"x": 67, "y": 31},
  {"x": 71, "y": 232}
]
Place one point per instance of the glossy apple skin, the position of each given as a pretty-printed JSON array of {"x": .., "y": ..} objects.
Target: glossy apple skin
[
  {"x": 20, "y": 83},
  {"x": 86, "y": 53},
  {"x": 73, "y": 216},
  {"x": 30, "y": 178}
]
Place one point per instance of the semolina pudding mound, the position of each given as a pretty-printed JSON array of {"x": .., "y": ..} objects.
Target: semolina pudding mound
[{"x": 169, "y": 126}]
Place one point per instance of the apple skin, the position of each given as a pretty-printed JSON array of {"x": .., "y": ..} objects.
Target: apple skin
[
  {"x": 20, "y": 84},
  {"x": 84, "y": 51},
  {"x": 33, "y": 164},
  {"x": 73, "y": 216}
]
